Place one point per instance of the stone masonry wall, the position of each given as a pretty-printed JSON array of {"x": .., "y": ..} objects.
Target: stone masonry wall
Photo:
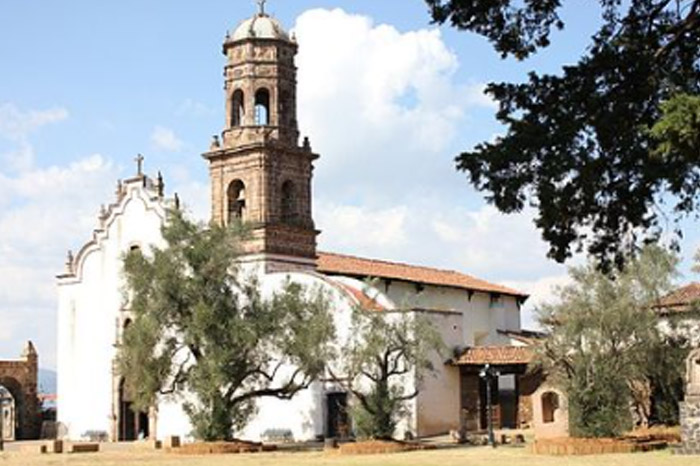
[{"x": 690, "y": 426}]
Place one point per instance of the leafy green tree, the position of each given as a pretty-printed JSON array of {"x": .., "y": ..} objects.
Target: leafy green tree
[
  {"x": 678, "y": 129},
  {"x": 202, "y": 330},
  {"x": 384, "y": 350},
  {"x": 579, "y": 145},
  {"x": 605, "y": 347}
]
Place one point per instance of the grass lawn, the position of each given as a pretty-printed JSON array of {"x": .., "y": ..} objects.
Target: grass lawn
[{"x": 474, "y": 456}]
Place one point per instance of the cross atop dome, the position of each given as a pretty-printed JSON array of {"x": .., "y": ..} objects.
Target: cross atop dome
[{"x": 261, "y": 7}]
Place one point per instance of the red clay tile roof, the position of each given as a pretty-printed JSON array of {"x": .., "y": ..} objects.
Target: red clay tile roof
[
  {"x": 683, "y": 299},
  {"x": 495, "y": 355},
  {"x": 364, "y": 301},
  {"x": 338, "y": 264}
]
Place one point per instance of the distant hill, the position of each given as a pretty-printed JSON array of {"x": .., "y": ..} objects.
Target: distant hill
[{"x": 47, "y": 381}]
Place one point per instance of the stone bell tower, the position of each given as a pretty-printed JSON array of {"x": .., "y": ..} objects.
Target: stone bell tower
[{"x": 259, "y": 172}]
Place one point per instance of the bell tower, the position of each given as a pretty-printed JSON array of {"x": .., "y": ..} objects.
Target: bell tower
[{"x": 259, "y": 172}]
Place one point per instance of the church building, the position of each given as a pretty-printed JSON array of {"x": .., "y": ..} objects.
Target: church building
[{"x": 260, "y": 170}]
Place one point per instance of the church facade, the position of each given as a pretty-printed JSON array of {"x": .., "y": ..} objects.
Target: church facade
[{"x": 261, "y": 173}]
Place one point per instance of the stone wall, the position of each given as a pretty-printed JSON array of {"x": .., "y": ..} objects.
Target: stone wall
[
  {"x": 690, "y": 408},
  {"x": 19, "y": 377},
  {"x": 690, "y": 426}
]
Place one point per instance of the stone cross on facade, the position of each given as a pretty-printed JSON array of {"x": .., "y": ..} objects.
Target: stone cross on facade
[
  {"x": 261, "y": 6},
  {"x": 139, "y": 164}
]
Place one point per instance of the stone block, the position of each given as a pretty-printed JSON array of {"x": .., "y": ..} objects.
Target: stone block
[
  {"x": 54, "y": 446},
  {"x": 83, "y": 448},
  {"x": 172, "y": 441},
  {"x": 33, "y": 448},
  {"x": 148, "y": 445}
]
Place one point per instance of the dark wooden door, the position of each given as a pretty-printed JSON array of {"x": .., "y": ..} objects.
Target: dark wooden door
[{"x": 338, "y": 420}]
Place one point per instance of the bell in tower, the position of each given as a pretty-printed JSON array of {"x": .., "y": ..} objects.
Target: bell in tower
[{"x": 259, "y": 173}]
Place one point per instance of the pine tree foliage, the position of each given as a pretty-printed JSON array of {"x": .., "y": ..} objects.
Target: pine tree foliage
[
  {"x": 202, "y": 332},
  {"x": 579, "y": 145}
]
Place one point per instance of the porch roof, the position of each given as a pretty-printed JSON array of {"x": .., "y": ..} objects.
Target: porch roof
[{"x": 494, "y": 355}]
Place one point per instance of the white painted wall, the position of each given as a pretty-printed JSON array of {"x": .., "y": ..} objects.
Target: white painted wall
[
  {"x": 438, "y": 402},
  {"x": 90, "y": 304},
  {"x": 685, "y": 327}
]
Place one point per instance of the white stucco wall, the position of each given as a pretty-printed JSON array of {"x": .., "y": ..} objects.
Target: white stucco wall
[
  {"x": 90, "y": 309},
  {"x": 680, "y": 326},
  {"x": 480, "y": 315},
  {"x": 438, "y": 402}
]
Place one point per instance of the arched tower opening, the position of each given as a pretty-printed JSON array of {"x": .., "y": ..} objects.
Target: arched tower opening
[
  {"x": 262, "y": 107},
  {"x": 236, "y": 201},
  {"x": 237, "y": 108}
]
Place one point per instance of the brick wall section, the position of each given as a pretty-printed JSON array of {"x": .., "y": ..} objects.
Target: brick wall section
[{"x": 20, "y": 378}]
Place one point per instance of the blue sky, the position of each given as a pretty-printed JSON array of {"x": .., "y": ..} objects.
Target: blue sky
[{"x": 387, "y": 99}]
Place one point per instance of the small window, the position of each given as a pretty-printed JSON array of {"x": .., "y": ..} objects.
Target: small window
[
  {"x": 262, "y": 107},
  {"x": 496, "y": 301},
  {"x": 236, "y": 201},
  {"x": 550, "y": 404}
]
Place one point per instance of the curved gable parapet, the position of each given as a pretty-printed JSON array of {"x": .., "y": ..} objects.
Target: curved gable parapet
[{"x": 139, "y": 189}]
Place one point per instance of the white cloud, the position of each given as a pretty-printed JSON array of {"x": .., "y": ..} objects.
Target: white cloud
[
  {"x": 16, "y": 125},
  {"x": 542, "y": 291},
  {"x": 45, "y": 212},
  {"x": 378, "y": 101},
  {"x": 476, "y": 96},
  {"x": 384, "y": 108},
  {"x": 166, "y": 140},
  {"x": 482, "y": 242},
  {"x": 20, "y": 158},
  {"x": 361, "y": 230}
]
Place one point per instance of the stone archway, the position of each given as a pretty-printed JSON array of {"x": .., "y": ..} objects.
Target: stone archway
[
  {"x": 7, "y": 415},
  {"x": 19, "y": 379}
]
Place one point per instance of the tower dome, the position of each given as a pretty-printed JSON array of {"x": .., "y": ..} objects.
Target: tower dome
[{"x": 260, "y": 26}]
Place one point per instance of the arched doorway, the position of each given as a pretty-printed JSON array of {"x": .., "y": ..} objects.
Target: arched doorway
[
  {"x": 133, "y": 425},
  {"x": 7, "y": 414}
]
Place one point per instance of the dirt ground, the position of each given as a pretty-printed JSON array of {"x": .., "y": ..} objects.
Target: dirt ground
[{"x": 472, "y": 456}]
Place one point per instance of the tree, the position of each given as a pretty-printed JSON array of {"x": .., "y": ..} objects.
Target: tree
[
  {"x": 202, "y": 329},
  {"x": 579, "y": 146},
  {"x": 605, "y": 347},
  {"x": 384, "y": 350}
]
